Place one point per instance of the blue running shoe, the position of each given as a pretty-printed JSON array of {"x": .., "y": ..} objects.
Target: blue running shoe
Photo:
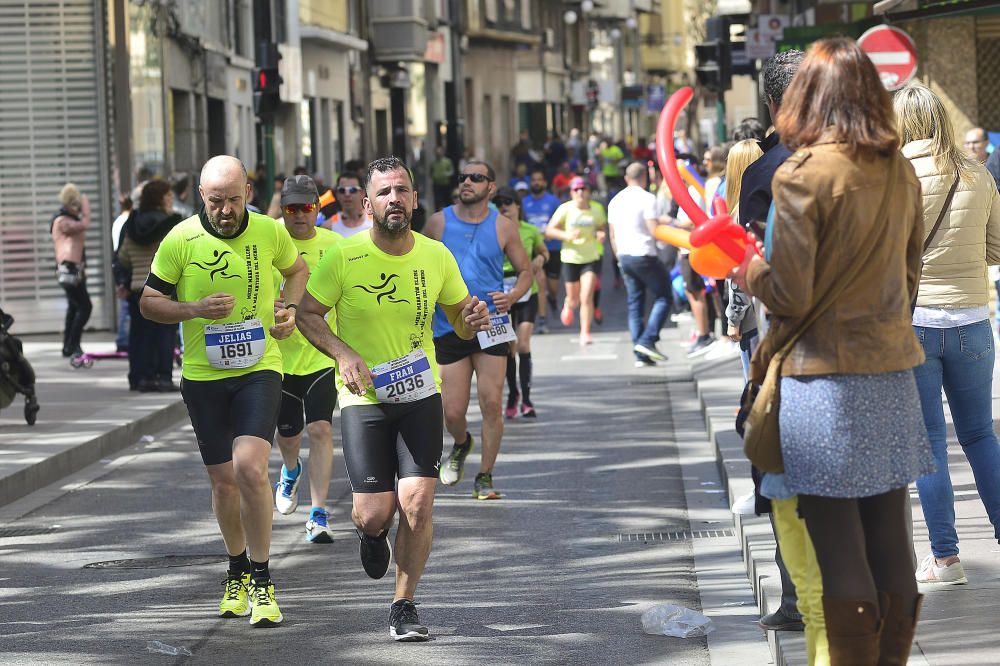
[
  {"x": 317, "y": 529},
  {"x": 286, "y": 490}
]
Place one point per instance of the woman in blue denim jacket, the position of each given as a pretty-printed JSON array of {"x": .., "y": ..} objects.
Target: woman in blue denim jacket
[{"x": 952, "y": 320}]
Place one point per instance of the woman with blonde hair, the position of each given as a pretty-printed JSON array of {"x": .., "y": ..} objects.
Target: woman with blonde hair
[
  {"x": 68, "y": 229},
  {"x": 741, "y": 155},
  {"x": 842, "y": 268},
  {"x": 961, "y": 223},
  {"x": 741, "y": 318}
]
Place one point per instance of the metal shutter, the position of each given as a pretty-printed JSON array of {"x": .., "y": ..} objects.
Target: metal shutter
[{"x": 53, "y": 130}]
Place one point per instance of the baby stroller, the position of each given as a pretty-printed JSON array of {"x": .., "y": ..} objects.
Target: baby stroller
[{"x": 16, "y": 374}]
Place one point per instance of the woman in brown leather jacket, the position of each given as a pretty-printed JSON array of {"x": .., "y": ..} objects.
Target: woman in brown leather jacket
[{"x": 847, "y": 234}]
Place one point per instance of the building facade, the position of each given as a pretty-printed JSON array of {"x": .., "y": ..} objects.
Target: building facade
[{"x": 55, "y": 127}]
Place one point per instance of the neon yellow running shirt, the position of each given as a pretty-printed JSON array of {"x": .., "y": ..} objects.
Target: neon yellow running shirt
[
  {"x": 531, "y": 239},
  {"x": 200, "y": 264},
  {"x": 585, "y": 249},
  {"x": 385, "y": 303},
  {"x": 298, "y": 355}
]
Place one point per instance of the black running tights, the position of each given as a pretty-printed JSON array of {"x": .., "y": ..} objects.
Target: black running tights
[{"x": 526, "y": 367}]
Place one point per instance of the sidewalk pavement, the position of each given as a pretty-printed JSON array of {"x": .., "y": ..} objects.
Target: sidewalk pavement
[
  {"x": 958, "y": 623},
  {"x": 86, "y": 415}
]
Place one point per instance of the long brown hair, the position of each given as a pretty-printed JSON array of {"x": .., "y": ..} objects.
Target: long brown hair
[{"x": 837, "y": 94}]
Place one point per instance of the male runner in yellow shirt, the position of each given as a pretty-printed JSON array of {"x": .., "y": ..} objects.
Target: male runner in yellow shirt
[
  {"x": 213, "y": 273},
  {"x": 308, "y": 394},
  {"x": 384, "y": 286}
]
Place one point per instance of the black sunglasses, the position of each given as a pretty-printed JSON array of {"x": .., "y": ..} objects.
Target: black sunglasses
[
  {"x": 350, "y": 189},
  {"x": 503, "y": 201},
  {"x": 474, "y": 177}
]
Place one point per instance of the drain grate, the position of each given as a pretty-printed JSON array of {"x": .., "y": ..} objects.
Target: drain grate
[
  {"x": 25, "y": 531},
  {"x": 163, "y": 562},
  {"x": 681, "y": 535},
  {"x": 652, "y": 381}
]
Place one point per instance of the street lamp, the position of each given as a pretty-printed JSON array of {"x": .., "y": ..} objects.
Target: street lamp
[
  {"x": 569, "y": 18},
  {"x": 587, "y": 5}
]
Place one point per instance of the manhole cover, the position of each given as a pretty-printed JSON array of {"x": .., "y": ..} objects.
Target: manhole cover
[
  {"x": 25, "y": 531},
  {"x": 163, "y": 562},
  {"x": 682, "y": 535}
]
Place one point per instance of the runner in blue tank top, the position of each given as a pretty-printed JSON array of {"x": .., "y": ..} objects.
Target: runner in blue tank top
[{"x": 479, "y": 238}]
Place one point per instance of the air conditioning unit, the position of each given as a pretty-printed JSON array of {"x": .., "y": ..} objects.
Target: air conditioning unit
[{"x": 550, "y": 38}]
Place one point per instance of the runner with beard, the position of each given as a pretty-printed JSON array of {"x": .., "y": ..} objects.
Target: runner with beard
[
  {"x": 212, "y": 273},
  {"x": 384, "y": 286},
  {"x": 479, "y": 238}
]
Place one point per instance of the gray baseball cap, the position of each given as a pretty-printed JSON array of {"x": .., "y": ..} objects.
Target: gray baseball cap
[{"x": 299, "y": 190}]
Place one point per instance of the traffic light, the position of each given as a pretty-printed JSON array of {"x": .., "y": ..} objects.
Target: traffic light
[
  {"x": 714, "y": 65},
  {"x": 266, "y": 80}
]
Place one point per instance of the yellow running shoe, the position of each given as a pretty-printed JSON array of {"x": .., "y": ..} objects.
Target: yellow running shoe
[
  {"x": 235, "y": 602},
  {"x": 265, "y": 608}
]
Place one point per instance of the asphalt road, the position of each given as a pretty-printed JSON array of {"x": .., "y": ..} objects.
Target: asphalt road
[{"x": 538, "y": 577}]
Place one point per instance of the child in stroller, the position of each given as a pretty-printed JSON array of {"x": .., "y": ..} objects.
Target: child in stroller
[{"x": 16, "y": 374}]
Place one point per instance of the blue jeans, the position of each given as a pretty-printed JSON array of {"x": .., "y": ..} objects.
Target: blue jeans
[
  {"x": 752, "y": 339},
  {"x": 642, "y": 273},
  {"x": 960, "y": 360},
  {"x": 121, "y": 341}
]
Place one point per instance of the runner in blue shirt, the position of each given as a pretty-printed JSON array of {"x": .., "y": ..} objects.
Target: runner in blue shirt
[{"x": 538, "y": 208}]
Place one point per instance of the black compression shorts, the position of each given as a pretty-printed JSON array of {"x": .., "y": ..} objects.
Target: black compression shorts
[
  {"x": 524, "y": 312},
  {"x": 223, "y": 409},
  {"x": 313, "y": 395},
  {"x": 572, "y": 272},
  {"x": 450, "y": 348},
  {"x": 388, "y": 441},
  {"x": 553, "y": 267}
]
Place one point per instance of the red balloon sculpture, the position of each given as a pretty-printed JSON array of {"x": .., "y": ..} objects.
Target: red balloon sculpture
[{"x": 717, "y": 245}]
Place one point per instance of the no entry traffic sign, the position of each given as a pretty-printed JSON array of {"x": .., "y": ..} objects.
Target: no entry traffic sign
[{"x": 893, "y": 53}]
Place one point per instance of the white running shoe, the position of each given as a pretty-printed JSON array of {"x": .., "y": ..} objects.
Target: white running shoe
[
  {"x": 722, "y": 348},
  {"x": 286, "y": 491},
  {"x": 930, "y": 572}
]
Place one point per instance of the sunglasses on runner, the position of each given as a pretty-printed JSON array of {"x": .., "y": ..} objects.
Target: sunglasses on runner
[
  {"x": 350, "y": 189},
  {"x": 292, "y": 209},
  {"x": 578, "y": 189},
  {"x": 474, "y": 177},
  {"x": 503, "y": 201}
]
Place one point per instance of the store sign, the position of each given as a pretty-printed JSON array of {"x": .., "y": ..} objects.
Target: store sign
[
  {"x": 656, "y": 97},
  {"x": 435, "y": 48}
]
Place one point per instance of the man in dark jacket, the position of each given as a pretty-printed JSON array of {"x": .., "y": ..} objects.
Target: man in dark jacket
[
  {"x": 755, "y": 201},
  {"x": 755, "y": 192},
  {"x": 993, "y": 165}
]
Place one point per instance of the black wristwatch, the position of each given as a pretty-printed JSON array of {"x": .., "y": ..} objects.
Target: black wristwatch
[{"x": 292, "y": 306}]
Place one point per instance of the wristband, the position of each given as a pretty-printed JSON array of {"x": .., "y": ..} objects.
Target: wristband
[{"x": 292, "y": 306}]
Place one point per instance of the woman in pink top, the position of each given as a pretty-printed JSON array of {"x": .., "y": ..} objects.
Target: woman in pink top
[{"x": 69, "y": 230}]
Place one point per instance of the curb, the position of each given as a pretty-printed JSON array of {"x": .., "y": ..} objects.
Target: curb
[
  {"x": 719, "y": 394},
  {"x": 71, "y": 460}
]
